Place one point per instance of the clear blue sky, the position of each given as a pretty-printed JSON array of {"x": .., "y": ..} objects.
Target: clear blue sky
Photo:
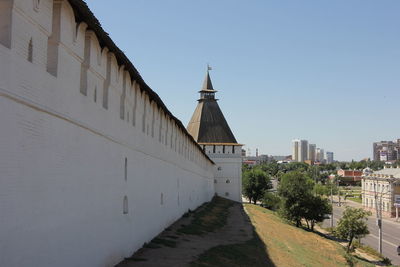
[{"x": 325, "y": 71}]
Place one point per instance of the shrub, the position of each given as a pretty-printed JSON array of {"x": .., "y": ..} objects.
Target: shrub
[
  {"x": 386, "y": 261},
  {"x": 271, "y": 201},
  {"x": 351, "y": 261}
]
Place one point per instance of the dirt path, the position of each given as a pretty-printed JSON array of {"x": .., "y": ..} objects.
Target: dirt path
[{"x": 238, "y": 229}]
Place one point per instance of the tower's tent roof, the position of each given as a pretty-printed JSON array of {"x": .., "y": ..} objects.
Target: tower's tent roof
[
  {"x": 208, "y": 124},
  {"x": 84, "y": 14}
]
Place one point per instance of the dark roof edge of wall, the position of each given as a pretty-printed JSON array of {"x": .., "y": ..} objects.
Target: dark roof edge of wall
[{"x": 84, "y": 14}]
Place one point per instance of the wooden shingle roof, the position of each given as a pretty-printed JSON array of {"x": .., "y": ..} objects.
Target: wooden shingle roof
[{"x": 208, "y": 124}]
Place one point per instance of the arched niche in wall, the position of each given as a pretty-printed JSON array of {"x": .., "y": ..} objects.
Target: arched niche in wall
[
  {"x": 54, "y": 40},
  {"x": 30, "y": 51},
  {"x": 135, "y": 88},
  {"x": 107, "y": 81},
  {"x": 5, "y": 22},
  {"x": 125, "y": 208},
  {"x": 144, "y": 114},
  {"x": 36, "y": 5},
  {"x": 123, "y": 95}
]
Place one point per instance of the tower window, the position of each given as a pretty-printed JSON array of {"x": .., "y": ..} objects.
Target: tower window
[
  {"x": 213, "y": 148},
  {"x": 126, "y": 169},
  {"x": 219, "y": 168},
  {"x": 228, "y": 181},
  {"x": 223, "y": 149}
]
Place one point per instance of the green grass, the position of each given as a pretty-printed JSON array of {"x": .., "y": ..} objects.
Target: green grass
[
  {"x": 208, "y": 218},
  {"x": 367, "y": 249},
  {"x": 355, "y": 199}
]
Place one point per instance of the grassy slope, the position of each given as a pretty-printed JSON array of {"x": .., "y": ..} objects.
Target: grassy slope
[
  {"x": 291, "y": 246},
  {"x": 276, "y": 243}
]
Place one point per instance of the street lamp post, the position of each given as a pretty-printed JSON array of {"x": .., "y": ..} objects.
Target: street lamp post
[
  {"x": 338, "y": 184},
  {"x": 332, "y": 205},
  {"x": 378, "y": 207}
]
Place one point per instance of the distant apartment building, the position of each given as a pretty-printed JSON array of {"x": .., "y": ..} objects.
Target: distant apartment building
[
  {"x": 303, "y": 150},
  {"x": 320, "y": 155},
  {"x": 329, "y": 157},
  {"x": 312, "y": 152},
  {"x": 300, "y": 150},
  {"x": 295, "y": 149},
  {"x": 386, "y": 150}
]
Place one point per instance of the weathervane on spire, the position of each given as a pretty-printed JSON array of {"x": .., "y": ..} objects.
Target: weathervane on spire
[{"x": 208, "y": 67}]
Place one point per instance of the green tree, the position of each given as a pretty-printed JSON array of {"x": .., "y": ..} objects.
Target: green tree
[
  {"x": 255, "y": 183},
  {"x": 353, "y": 225},
  {"x": 271, "y": 201},
  {"x": 325, "y": 189},
  {"x": 320, "y": 189},
  {"x": 295, "y": 190},
  {"x": 316, "y": 209}
]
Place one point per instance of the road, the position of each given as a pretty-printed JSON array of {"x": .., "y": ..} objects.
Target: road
[{"x": 390, "y": 229}]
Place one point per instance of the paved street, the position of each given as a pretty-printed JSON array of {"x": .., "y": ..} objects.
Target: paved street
[{"x": 391, "y": 232}]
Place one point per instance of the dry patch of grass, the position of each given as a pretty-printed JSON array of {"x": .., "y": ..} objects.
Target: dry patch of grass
[{"x": 208, "y": 218}]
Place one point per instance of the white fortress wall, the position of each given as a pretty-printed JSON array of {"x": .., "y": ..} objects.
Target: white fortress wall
[{"x": 90, "y": 166}]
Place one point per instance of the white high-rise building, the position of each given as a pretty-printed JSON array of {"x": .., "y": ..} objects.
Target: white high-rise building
[
  {"x": 300, "y": 150},
  {"x": 329, "y": 157},
  {"x": 295, "y": 149},
  {"x": 303, "y": 150},
  {"x": 312, "y": 152}
]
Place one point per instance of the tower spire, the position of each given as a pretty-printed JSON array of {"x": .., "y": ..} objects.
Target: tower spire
[
  {"x": 207, "y": 84},
  {"x": 207, "y": 90}
]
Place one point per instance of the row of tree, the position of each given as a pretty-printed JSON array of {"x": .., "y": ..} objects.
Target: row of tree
[
  {"x": 295, "y": 200},
  {"x": 317, "y": 172},
  {"x": 301, "y": 199}
]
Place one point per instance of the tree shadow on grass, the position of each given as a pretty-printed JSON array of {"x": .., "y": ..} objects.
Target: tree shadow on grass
[
  {"x": 249, "y": 253},
  {"x": 373, "y": 263},
  {"x": 328, "y": 236}
]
